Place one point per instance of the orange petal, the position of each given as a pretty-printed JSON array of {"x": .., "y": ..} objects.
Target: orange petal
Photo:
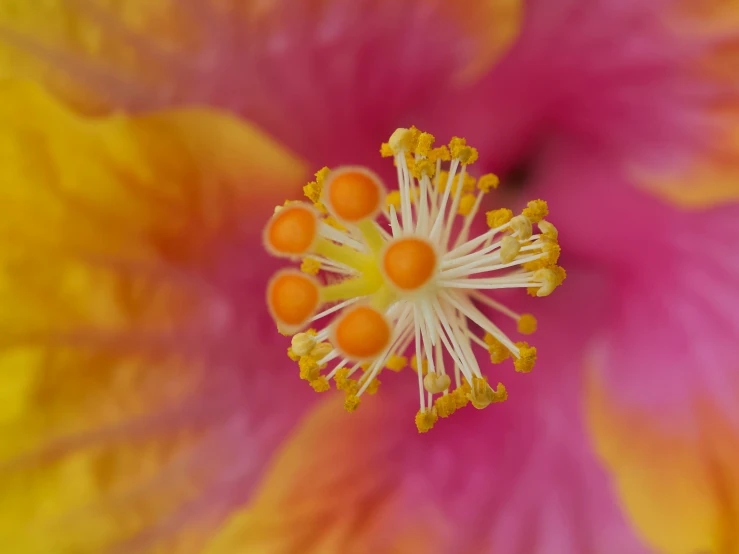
[
  {"x": 679, "y": 484},
  {"x": 334, "y": 489}
]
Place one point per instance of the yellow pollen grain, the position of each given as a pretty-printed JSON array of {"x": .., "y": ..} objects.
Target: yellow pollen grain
[
  {"x": 423, "y": 167},
  {"x": 460, "y": 395},
  {"x": 401, "y": 141},
  {"x": 527, "y": 324},
  {"x": 309, "y": 369},
  {"x": 373, "y": 387},
  {"x": 536, "y": 210},
  {"x": 310, "y": 266},
  {"x": 441, "y": 153},
  {"x": 351, "y": 402},
  {"x": 312, "y": 191},
  {"x": 526, "y": 362},
  {"x": 393, "y": 199},
  {"x": 396, "y": 363},
  {"x": 462, "y": 152},
  {"x": 333, "y": 222},
  {"x": 445, "y": 405},
  {"x": 487, "y": 182},
  {"x": 425, "y": 143},
  {"x": 320, "y": 385},
  {"x": 425, "y": 419},
  {"x": 498, "y": 218},
  {"x": 498, "y": 352},
  {"x": 414, "y": 365},
  {"x": 466, "y": 203}
]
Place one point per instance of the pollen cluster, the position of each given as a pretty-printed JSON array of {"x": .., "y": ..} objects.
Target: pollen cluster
[{"x": 388, "y": 277}]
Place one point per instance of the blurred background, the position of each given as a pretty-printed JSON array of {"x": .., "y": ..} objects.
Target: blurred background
[{"x": 146, "y": 401}]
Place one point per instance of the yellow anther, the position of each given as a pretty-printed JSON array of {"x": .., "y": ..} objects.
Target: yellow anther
[
  {"x": 551, "y": 251},
  {"x": 302, "y": 344},
  {"x": 522, "y": 226},
  {"x": 466, "y": 203},
  {"x": 292, "y": 355},
  {"x": 414, "y": 365},
  {"x": 312, "y": 191},
  {"x": 547, "y": 229},
  {"x": 342, "y": 378},
  {"x": 373, "y": 386},
  {"x": 481, "y": 394},
  {"x": 460, "y": 395},
  {"x": 309, "y": 369},
  {"x": 536, "y": 210},
  {"x": 425, "y": 143},
  {"x": 393, "y": 199},
  {"x": 527, "y": 359},
  {"x": 436, "y": 383},
  {"x": 550, "y": 277},
  {"x": 487, "y": 182},
  {"x": 401, "y": 141},
  {"x": 312, "y": 332},
  {"x": 468, "y": 185},
  {"x": 441, "y": 153},
  {"x": 445, "y": 405},
  {"x": 386, "y": 151},
  {"x": 320, "y": 385},
  {"x": 498, "y": 218},
  {"x": 425, "y": 419},
  {"x": 509, "y": 249},
  {"x": 321, "y": 175},
  {"x": 321, "y": 350},
  {"x": 423, "y": 167},
  {"x": 333, "y": 222},
  {"x": 500, "y": 394},
  {"x": 310, "y": 266},
  {"x": 527, "y": 324},
  {"x": 351, "y": 402},
  {"x": 396, "y": 363},
  {"x": 498, "y": 352}
]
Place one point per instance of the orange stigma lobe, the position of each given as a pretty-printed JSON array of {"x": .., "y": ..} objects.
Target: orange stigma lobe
[
  {"x": 353, "y": 194},
  {"x": 409, "y": 263},
  {"x": 362, "y": 332},
  {"x": 293, "y": 298},
  {"x": 292, "y": 230}
]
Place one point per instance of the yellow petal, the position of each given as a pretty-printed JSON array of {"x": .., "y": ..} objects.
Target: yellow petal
[
  {"x": 107, "y": 229},
  {"x": 679, "y": 485}
]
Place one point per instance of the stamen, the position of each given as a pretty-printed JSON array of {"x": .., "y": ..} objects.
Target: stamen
[{"x": 396, "y": 290}]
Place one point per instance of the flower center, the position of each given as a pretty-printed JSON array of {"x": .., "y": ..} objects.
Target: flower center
[
  {"x": 405, "y": 277},
  {"x": 409, "y": 263}
]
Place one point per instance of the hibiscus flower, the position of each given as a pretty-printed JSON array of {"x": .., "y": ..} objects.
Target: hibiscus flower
[{"x": 147, "y": 402}]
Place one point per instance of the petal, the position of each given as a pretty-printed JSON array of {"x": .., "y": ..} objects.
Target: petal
[
  {"x": 664, "y": 390},
  {"x": 135, "y": 357},
  {"x": 517, "y": 478},
  {"x": 329, "y": 78}
]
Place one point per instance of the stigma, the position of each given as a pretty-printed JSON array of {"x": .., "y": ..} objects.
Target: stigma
[{"x": 390, "y": 275}]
